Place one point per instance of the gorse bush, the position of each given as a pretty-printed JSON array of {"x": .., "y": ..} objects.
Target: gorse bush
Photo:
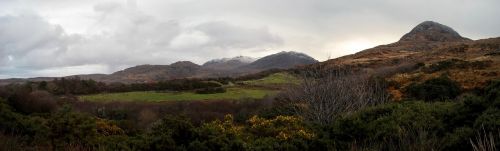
[
  {"x": 456, "y": 63},
  {"x": 171, "y": 133},
  {"x": 67, "y": 127},
  {"x": 439, "y": 89}
]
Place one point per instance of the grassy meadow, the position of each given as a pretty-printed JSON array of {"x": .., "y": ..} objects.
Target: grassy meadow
[
  {"x": 274, "y": 79},
  {"x": 253, "y": 89},
  {"x": 151, "y": 96}
]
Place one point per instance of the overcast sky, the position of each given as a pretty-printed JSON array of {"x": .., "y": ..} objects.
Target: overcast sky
[{"x": 66, "y": 37}]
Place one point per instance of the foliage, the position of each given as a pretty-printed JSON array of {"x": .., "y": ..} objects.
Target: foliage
[
  {"x": 391, "y": 124},
  {"x": 68, "y": 127},
  {"x": 456, "y": 63},
  {"x": 440, "y": 88},
  {"x": 470, "y": 121},
  {"x": 279, "y": 133},
  {"x": 170, "y": 133},
  {"x": 29, "y": 128},
  {"x": 219, "y": 135}
]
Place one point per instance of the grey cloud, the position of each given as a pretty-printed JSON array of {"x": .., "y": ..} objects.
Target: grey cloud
[
  {"x": 28, "y": 34},
  {"x": 107, "y": 7},
  {"x": 128, "y": 37},
  {"x": 230, "y": 37},
  {"x": 118, "y": 33}
]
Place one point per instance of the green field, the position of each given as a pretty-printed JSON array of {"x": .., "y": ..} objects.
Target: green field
[
  {"x": 150, "y": 96},
  {"x": 273, "y": 79}
]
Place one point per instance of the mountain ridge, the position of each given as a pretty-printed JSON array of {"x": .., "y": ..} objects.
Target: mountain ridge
[
  {"x": 228, "y": 63},
  {"x": 471, "y": 63},
  {"x": 224, "y": 67},
  {"x": 428, "y": 42}
]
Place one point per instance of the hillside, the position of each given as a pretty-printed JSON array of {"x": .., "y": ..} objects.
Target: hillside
[
  {"x": 228, "y": 63},
  {"x": 437, "y": 48},
  {"x": 281, "y": 60},
  {"x": 150, "y": 73}
]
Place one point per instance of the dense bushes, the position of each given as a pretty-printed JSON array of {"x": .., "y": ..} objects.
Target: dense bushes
[
  {"x": 171, "y": 133},
  {"x": 36, "y": 102},
  {"x": 408, "y": 125},
  {"x": 396, "y": 124},
  {"x": 440, "y": 88},
  {"x": 71, "y": 86},
  {"x": 77, "y": 86},
  {"x": 414, "y": 124},
  {"x": 210, "y": 90},
  {"x": 456, "y": 63},
  {"x": 68, "y": 127}
]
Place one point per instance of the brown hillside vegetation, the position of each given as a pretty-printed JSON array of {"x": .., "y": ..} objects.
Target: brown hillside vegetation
[{"x": 470, "y": 63}]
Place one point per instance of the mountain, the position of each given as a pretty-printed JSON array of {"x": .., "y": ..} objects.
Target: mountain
[
  {"x": 151, "y": 73},
  {"x": 428, "y": 50},
  {"x": 235, "y": 66},
  {"x": 433, "y": 31},
  {"x": 436, "y": 48},
  {"x": 228, "y": 63},
  {"x": 224, "y": 67},
  {"x": 281, "y": 60},
  {"x": 427, "y": 41}
]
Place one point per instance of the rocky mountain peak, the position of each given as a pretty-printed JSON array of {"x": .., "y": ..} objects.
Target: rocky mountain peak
[{"x": 432, "y": 31}]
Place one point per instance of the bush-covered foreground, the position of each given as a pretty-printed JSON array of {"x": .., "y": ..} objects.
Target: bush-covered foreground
[{"x": 468, "y": 121}]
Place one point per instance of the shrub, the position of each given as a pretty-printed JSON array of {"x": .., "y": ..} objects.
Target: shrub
[
  {"x": 39, "y": 102},
  {"x": 210, "y": 90},
  {"x": 325, "y": 94},
  {"x": 440, "y": 88},
  {"x": 30, "y": 128},
  {"x": 489, "y": 120},
  {"x": 458, "y": 139},
  {"x": 171, "y": 133},
  {"x": 67, "y": 127},
  {"x": 456, "y": 63},
  {"x": 492, "y": 90},
  {"x": 280, "y": 127},
  {"x": 411, "y": 124},
  {"x": 219, "y": 135}
]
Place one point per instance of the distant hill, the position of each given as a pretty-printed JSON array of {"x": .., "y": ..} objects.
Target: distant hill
[
  {"x": 235, "y": 66},
  {"x": 281, "y": 60},
  {"x": 228, "y": 63},
  {"x": 151, "y": 73}
]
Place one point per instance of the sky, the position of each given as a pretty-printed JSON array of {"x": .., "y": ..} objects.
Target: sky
[{"x": 68, "y": 37}]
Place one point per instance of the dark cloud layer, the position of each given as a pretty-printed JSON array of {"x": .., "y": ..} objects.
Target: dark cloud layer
[{"x": 60, "y": 37}]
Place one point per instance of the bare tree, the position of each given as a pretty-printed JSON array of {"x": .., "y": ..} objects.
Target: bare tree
[{"x": 324, "y": 94}]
